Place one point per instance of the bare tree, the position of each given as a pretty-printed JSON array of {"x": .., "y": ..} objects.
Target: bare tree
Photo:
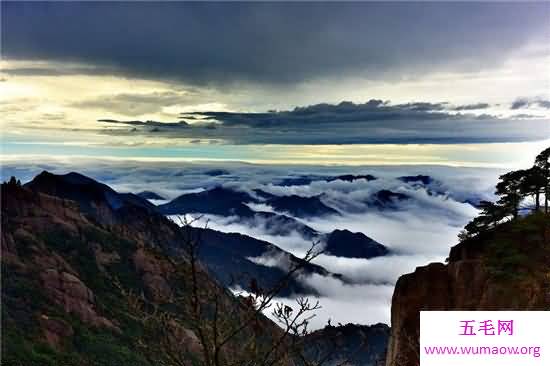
[
  {"x": 221, "y": 325},
  {"x": 231, "y": 329}
]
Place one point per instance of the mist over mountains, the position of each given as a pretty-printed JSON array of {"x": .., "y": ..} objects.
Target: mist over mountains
[{"x": 371, "y": 221}]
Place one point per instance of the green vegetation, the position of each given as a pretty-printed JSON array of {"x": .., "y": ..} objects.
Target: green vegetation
[
  {"x": 102, "y": 348},
  {"x": 514, "y": 189},
  {"x": 518, "y": 251},
  {"x": 514, "y": 232},
  {"x": 24, "y": 300}
]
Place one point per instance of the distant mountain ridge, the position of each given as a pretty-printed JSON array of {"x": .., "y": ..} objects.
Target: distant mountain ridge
[
  {"x": 344, "y": 243},
  {"x": 304, "y": 180},
  {"x": 418, "y": 179},
  {"x": 225, "y": 254},
  {"x": 217, "y": 201},
  {"x": 386, "y": 199},
  {"x": 149, "y": 195},
  {"x": 302, "y": 207},
  {"x": 89, "y": 193},
  {"x": 228, "y": 202}
]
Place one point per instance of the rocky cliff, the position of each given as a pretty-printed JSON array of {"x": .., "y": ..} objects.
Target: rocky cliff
[
  {"x": 75, "y": 292},
  {"x": 89, "y": 278},
  {"x": 504, "y": 268}
]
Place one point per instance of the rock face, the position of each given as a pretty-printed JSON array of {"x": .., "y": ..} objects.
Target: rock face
[
  {"x": 68, "y": 291},
  {"x": 79, "y": 287},
  {"x": 154, "y": 272},
  {"x": 504, "y": 269}
]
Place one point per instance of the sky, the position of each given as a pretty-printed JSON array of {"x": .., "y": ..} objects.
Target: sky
[{"x": 311, "y": 83}]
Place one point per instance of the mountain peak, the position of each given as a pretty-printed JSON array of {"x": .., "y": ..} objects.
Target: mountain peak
[
  {"x": 344, "y": 243},
  {"x": 93, "y": 197},
  {"x": 216, "y": 201},
  {"x": 150, "y": 195},
  {"x": 300, "y": 206}
]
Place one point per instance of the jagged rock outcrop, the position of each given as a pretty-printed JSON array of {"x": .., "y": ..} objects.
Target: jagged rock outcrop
[
  {"x": 154, "y": 272},
  {"x": 80, "y": 288},
  {"x": 506, "y": 268},
  {"x": 68, "y": 291}
]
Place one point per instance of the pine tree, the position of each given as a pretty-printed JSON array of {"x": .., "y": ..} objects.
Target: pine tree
[
  {"x": 543, "y": 162},
  {"x": 510, "y": 191}
]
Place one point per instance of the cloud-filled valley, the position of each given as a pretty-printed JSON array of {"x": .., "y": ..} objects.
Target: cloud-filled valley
[
  {"x": 417, "y": 231},
  {"x": 417, "y": 221}
]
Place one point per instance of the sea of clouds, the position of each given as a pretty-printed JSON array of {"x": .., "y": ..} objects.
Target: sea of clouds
[{"x": 417, "y": 231}]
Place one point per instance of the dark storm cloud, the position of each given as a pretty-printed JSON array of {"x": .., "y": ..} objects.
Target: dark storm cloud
[
  {"x": 530, "y": 102},
  {"x": 154, "y": 124},
  {"x": 375, "y": 121},
  {"x": 520, "y": 103},
  {"x": 205, "y": 43},
  {"x": 57, "y": 70},
  {"x": 470, "y": 107},
  {"x": 322, "y": 114}
]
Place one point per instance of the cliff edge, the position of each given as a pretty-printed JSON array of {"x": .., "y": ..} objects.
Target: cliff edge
[{"x": 506, "y": 268}]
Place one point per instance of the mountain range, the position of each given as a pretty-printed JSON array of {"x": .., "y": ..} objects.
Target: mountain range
[
  {"x": 91, "y": 276},
  {"x": 227, "y": 255}
]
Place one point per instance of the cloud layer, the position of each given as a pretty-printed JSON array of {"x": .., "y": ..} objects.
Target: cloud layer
[
  {"x": 418, "y": 230},
  {"x": 205, "y": 43},
  {"x": 375, "y": 121}
]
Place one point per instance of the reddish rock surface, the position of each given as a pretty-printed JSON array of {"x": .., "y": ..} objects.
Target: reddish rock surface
[
  {"x": 68, "y": 291},
  {"x": 462, "y": 284},
  {"x": 154, "y": 272},
  {"x": 56, "y": 331}
]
